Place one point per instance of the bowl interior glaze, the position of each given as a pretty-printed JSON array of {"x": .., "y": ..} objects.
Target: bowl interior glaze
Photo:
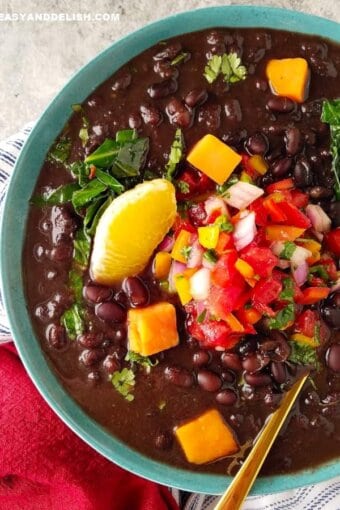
[{"x": 13, "y": 231}]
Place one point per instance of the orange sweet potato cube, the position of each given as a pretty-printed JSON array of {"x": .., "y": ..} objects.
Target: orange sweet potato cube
[
  {"x": 206, "y": 438},
  {"x": 289, "y": 77},
  {"x": 152, "y": 329},
  {"x": 214, "y": 158}
]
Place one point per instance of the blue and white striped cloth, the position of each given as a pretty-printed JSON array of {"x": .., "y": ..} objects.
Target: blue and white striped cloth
[{"x": 323, "y": 496}]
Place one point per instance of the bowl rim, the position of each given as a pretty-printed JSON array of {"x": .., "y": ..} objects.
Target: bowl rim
[{"x": 13, "y": 230}]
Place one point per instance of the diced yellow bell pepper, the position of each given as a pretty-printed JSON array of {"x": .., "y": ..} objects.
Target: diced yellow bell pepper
[
  {"x": 183, "y": 241},
  {"x": 303, "y": 339},
  {"x": 152, "y": 329},
  {"x": 259, "y": 164},
  {"x": 244, "y": 177},
  {"x": 233, "y": 323},
  {"x": 208, "y": 236},
  {"x": 182, "y": 286},
  {"x": 161, "y": 265},
  {"x": 314, "y": 247},
  {"x": 244, "y": 268},
  {"x": 283, "y": 233},
  {"x": 214, "y": 158},
  {"x": 206, "y": 438}
]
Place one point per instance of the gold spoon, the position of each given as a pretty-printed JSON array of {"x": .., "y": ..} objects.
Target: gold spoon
[{"x": 238, "y": 490}]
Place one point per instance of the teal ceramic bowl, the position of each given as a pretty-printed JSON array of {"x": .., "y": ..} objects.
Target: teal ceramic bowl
[{"x": 13, "y": 232}]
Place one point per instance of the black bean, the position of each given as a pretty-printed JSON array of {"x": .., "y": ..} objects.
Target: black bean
[
  {"x": 63, "y": 222},
  {"x": 136, "y": 291},
  {"x": 232, "y": 109},
  {"x": 135, "y": 120},
  {"x": 331, "y": 315},
  {"x": 254, "y": 362},
  {"x": 179, "y": 376},
  {"x": 261, "y": 84},
  {"x": 165, "y": 70},
  {"x": 334, "y": 213},
  {"x": 150, "y": 115},
  {"x": 293, "y": 141},
  {"x": 303, "y": 176},
  {"x": 111, "y": 364},
  {"x": 325, "y": 68},
  {"x": 257, "y": 144},
  {"x": 97, "y": 293},
  {"x": 62, "y": 252},
  {"x": 201, "y": 358},
  {"x": 333, "y": 357},
  {"x": 226, "y": 397},
  {"x": 110, "y": 311},
  {"x": 249, "y": 344},
  {"x": 280, "y": 104},
  {"x": 320, "y": 192},
  {"x": 279, "y": 372},
  {"x": 93, "y": 377},
  {"x": 90, "y": 340},
  {"x": 56, "y": 336},
  {"x": 281, "y": 167},
  {"x": 196, "y": 97},
  {"x": 215, "y": 37},
  {"x": 90, "y": 357},
  {"x": 164, "y": 440},
  {"x": 276, "y": 349},
  {"x": 273, "y": 156},
  {"x": 257, "y": 379},
  {"x": 119, "y": 352},
  {"x": 231, "y": 360},
  {"x": 169, "y": 52},
  {"x": 179, "y": 115},
  {"x": 120, "y": 334},
  {"x": 217, "y": 49},
  {"x": 208, "y": 380},
  {"x": 228, "y": 376},
  {"x": 122, "y": 81},
  {"x": 163, "y": 88},
  {"x": 315, "y": 49},
  {"x": 210, "y": 116}
]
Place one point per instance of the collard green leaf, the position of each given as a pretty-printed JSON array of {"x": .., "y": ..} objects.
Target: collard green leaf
[
  {"x": 59, "y": 196},
  {"x": 73, "y": 321},
  {"x": 176, "y": 154},
  {"x": 331, "y": 115},
  {"x": 105, "y": 154},
  {"x": 81, "y": 248},
  {"x": 126, "y": 135},
  {"x": 91, "y": 224},
  {"x": 109, "y": 181},
  {"x": 81, "y": 171},
  {"x": 60, "y": 151},
  {"x": 83, "y": 196},
  {"x": 130, "y": 158},
  {"x": 75, "y": 279}
]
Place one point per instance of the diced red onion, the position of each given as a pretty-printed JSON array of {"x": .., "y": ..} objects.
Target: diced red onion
[
  {"x": 300, "y": 273},
  {"x": 277, "y": 247},
  {"x": 175, "y": 269},
  {"x": 336, "y": 286},
  {"x": 241, "y": 194},
  {"x": 245, "y": 231},
  {"x": 215, "y": 203},
  {"x": 318, "y": 235},
  {"x": 300, "y": 255},
  {"x": 320, "y": 221},
  {"x": 200, "y": 284},
  {"x": 167, "y": 244},
  {"x": 195, "y": 255}
]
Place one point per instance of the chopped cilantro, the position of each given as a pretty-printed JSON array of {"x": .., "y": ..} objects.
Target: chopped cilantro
[
  {"x": 320, "y": 270},
  {"x": 229, "y": 65},
  {"x": 144, "y": 361},
  {"x": 180, "y": 58},
  {"x": 223, "y": 188},
  {"x": 287, "y": 294},
  {"x": 224, "y": 224},
  {"x": 183, "y": 187},
  {"x": 201, "y": 316},
  {"x": 176, "y": 154},
  {"x": 303, "y": 354},
  {"x": 282, "y": 318},
  {"x": 185, "y": 251},
  {"x": 124, "y": 382},
  {"x": 210, "y": 256},
  {"x": 288, "y": 250}
]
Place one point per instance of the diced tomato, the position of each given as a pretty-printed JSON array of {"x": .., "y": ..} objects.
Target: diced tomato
[
  {"x": 280, "y": 185},
  {"x": 299, "y": 199},
  {"x": 182, "y": 224},
  {"x": 333, "y": 241},
  {"x": 275, "y": 211},
  {"x": 330, "y": 266},
  {"x": 261, "y": 213},
  {"x": 225, "y": 242},
  {"x": 312, "y": 295},
  {"x": 224, "y": 272},
  {"x": 213, "y": 216},
  {"x": 262, "y": 260},
  {"x": 224, "y": 300},
  {"x": 294, "y": 217},
  {"x": 248, "y": 315},
  {"x": 316, "y": 281},
  {"x": 218, "y": 334},
  {"x": 306, "y": 322},
  {"x": 266, "y": 291},
  {"x": 197, "y": 183}
]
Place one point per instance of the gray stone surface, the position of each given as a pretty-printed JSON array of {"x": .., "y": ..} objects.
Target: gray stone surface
[{"x": 38, "y": 57}]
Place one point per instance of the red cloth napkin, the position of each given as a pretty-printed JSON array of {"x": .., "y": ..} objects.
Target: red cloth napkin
[{"x": 45, "y": 466}]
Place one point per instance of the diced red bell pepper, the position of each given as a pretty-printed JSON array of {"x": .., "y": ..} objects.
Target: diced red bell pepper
[
  {"x": 248, "y": 315},
  {"x": 294, "y": 217},
  {"x": 225, "y": 242},
  {"x": 312, "y": 295},
  {"x": 333, "y": 241},
  {"x": 306, "y": 322},
  {"x": 280, "y": 185},
  {"x": 261, "y": 213},
  {"x": 329, "y": 265},
  {"x": 299, "y": 199},
  {"x": 182, "y": 224},
  {"x": 213, "y": 216},
  {"x": 224, "y": 272},
  {"x": 224, "y": 300},
  {"x": 266, "y": 291},
  {"x": 262, "y": 260},
  {"x": 247, "y": 166},
  {"x": 275, "y": 211}
]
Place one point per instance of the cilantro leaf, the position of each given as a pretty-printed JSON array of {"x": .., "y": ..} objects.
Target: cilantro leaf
[
  {"x": 229, "y": 65},
  {"x": 60, "y": 151},
  {"x": 288, "y": 250},
  {"x": 320, "y": 270},
  {"x": 185, "y": 251},
  {"x": 213, "y": 68},
  {"x": 303, "y": 354},
  {"x": 72, "y": 321},
  {"x": 183, "y": 187},
  {"x": 176, "y": 154},
  {"x": 144, "y": 361},
  {"x": 201, "y": 316},
  {"x": 283, "y": 317},
  {"x": 210, "y": 256},
  {"x": 124, "y": 382},
  {"x": 180, "y": 58},
  {"x": 287, "y": 294},
  {"x": 331, "y": 115},
  {"x": 224, "y": 224}
]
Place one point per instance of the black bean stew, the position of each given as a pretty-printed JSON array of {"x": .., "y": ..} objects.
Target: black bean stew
[{"x": 212, "y": 82}]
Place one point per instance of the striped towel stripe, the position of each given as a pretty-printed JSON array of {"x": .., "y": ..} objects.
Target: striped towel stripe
[{"x": 323, "y": 496}]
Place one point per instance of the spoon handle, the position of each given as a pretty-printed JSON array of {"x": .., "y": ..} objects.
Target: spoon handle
[{"x": 238, "y": 490}]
